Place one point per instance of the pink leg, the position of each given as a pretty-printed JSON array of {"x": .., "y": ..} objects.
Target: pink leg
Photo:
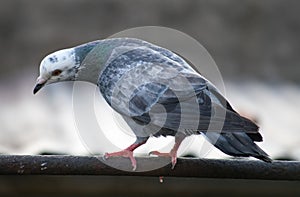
[
  {"x": 128, "y": 152},
  {"x": 173, "y": 153}
]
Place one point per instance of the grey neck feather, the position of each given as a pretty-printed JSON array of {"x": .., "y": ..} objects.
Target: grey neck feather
[{"x": 92, "y": 57}]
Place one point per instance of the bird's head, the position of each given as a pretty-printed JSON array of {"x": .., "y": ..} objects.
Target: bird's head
[{"x": 58, "y": 66}]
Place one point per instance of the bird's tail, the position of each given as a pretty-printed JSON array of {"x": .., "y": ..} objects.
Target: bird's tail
[{"x": 237, "y": 144}]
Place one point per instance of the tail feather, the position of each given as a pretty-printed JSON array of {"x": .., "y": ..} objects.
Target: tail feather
[
  {"x": 240, "y": 141},
  {"x": 233, "y": 121},
  {"x": 237, "y": 144},
  {"x": 249, "y": 127}
]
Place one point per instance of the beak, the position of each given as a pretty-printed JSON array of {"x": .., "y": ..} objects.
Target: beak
[{"x": 39, "y": 84}]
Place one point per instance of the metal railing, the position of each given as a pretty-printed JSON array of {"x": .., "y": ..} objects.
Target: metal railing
[{"x": 185, "y": 167}]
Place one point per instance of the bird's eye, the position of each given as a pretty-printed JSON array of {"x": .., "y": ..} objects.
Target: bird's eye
[{"x": 56, "y": 72}]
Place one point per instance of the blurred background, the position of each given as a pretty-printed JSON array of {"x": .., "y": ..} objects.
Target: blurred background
[{"x": 255, "y": 44}]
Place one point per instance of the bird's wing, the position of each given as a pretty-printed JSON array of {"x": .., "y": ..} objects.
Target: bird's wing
[
  {"x": 135, "y": 96},
  {"x": 138, "y": 78},
  {"x": 154, "y": 83},
  {"x": 153, "y": 88}
]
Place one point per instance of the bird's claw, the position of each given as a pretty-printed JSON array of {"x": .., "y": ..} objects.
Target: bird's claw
[
  {"x": 105, "y": 156},
  {"x": 123, "y": 153},
  {"x": 171, "y": 154}
]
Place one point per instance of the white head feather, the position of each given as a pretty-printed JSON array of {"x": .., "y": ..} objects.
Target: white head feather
[{"x": 58, "y": 66}]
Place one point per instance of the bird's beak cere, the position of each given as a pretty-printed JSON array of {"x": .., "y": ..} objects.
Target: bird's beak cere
[{"x": 40, "y": 82}]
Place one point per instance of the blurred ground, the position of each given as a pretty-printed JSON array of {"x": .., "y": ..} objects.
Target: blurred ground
[{"x": 44, "y": 123}]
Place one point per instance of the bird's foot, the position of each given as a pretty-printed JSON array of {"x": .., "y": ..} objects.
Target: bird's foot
[
  {"x": 122, "y": 153},
  {"x": 128, "y": 152},
  {"x": 172, "y": 154}
]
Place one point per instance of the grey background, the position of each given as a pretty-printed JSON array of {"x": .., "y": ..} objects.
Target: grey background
[
  {"x": 250, "y": 38},
  {"x": 255, "y": 43}
]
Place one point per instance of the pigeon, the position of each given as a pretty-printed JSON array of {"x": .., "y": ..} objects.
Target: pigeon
[{"x": 157, "y": 92}]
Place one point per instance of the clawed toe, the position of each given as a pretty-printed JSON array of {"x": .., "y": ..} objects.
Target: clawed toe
[
  {"x": 171, "y": 154},
  {"x": 123, "y": 153},
  {"x": 157, "y": 153}
]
